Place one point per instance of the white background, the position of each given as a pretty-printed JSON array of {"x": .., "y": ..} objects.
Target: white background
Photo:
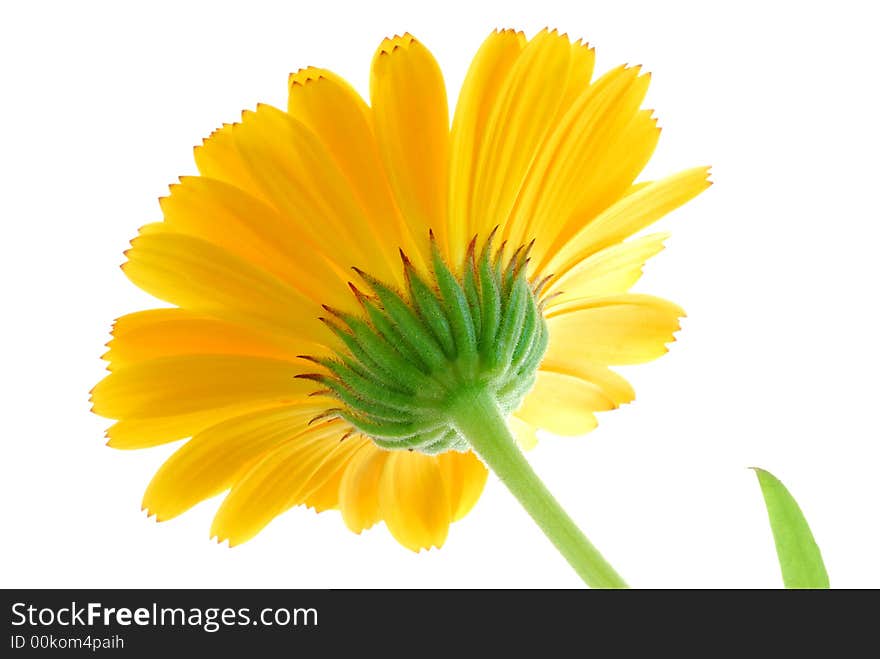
[{"x": 776, "y": 265}]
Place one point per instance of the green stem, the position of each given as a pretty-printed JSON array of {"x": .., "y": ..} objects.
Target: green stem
[{"x": 478, "y": 419}]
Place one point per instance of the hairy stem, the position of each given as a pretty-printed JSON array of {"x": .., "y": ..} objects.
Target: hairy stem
[{"x": 478, "y": 419}]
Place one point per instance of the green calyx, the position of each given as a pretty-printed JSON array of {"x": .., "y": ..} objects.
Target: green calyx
[{"x": 412, "y": 357}]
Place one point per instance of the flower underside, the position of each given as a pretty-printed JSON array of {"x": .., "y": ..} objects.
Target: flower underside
[
  {"x": 456, "y": 358},
  {"x": 411, "y": 358}
]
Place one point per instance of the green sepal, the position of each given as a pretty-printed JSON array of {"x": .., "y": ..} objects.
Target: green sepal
[
  {"x": 527, "y": 336},
  {"x": 469, "y": 278},
  {"x": 411, "y": 328},
  {"x": 368, "y": 361},
  {"x": 392, "y": 335},
  {"x": 368, "y": 389},
  {"x": 384, "y": 353},
  {"x": 490, "y": 303},
  {"x": 536, "y": 352},
  {"x": 409, "y": 433},
  {"x": 379, "y": 410},
  {"x": 511, "y": 323},
  {"x": 429, "y": 308},
  {"x": 407, "y": 362},
  {"x": 457, "y": 308}
]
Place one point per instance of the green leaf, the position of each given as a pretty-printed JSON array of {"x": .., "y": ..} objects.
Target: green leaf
[{"x": 799, "y": 555}]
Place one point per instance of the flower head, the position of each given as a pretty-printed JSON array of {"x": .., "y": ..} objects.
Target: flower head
[{"x": 340, "y": 272}]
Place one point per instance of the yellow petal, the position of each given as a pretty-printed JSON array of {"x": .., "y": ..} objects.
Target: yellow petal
[
  {"x": 199, "y": 276},
  {"x": 187, "y": 384},
  {"x": 143, "y": 433},
  {"x": 585, "y": 163},
  {"x": 613, "y": 386},
  {"x": 218, "y": 158},
  {"x": 627, "y": 152},
  {"x": 631, "y": 214},
  {"x": 321, "y": 492},
  {"x": 340, "y": 118},
  {"x": 519, "y": 121},
  {"x": 411, "y": 117},
  {"x": 216, "y": 457},
  {"x": 359, "y": 488},
  {"x": 580, "y": 71},
  {"x": 635, "y": 187},
  {"x": 609, "y": 271},
  {"x": 621, "y": 329},
  {"x": 154, "y": 333},
  {"x": 525, "y": 433},
  {"x": 465, "y": 477},
  {"x": 275, "y": 483},
  {"x": 563, "y": 404},
  {"x": 479, "y": 93},
  {"x": 256, "y": 233},
  {"x": 413, "y": 500},
  {"x": 300, "y": 178}
]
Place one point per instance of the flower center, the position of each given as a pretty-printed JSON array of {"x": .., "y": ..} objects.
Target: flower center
[{"x": 412, "y": 356}]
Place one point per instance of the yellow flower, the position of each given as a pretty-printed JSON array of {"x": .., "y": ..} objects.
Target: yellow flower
[{"x": 253, "y": 250}]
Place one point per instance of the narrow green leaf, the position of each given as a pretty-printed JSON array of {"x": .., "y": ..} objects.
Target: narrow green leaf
[{"x": 799, "y": 555}]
